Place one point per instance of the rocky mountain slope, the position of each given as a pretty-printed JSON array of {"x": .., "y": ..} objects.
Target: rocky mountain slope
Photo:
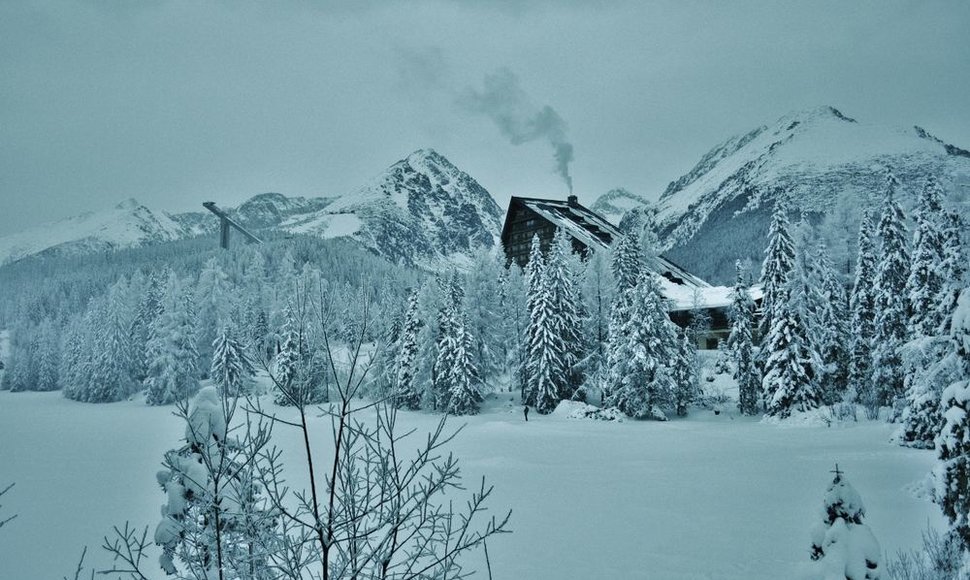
[
  {"x": 422, "y": 211},
  {"x": 616, "y": 202},
  {"x": 819, "y": 160}
]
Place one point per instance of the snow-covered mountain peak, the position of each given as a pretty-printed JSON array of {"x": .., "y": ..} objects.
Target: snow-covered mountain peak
[
  {"x": 616, "y": 202},
  {"x": 125, "y": 225},
  {"x": 815, "y": 157}
]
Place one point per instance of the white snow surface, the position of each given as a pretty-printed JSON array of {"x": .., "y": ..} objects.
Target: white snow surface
[{"x": 723, "y": 497}]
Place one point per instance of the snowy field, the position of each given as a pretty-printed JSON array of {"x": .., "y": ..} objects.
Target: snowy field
[{"x": 708, "y": 497}]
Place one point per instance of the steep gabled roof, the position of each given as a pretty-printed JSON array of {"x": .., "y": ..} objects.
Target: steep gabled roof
[{"x": 594, "y": 231}]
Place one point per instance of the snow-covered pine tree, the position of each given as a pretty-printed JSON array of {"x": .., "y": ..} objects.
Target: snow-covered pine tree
[
  {"x": 642, "y": 345},
  {"x": 598, "y": 292},
  {"x": 482, "y": 299},
  {"x": 465, "y": 394},
  {"x": 546, "y": 364},
  {"x": 741, "y": 345},
  {"x": 842, "y": 545},
  {"x": 231, "y": 365},
  {"x": 111, "y": 369},
  {"x": 790, "y": 381},
  {"x": 212, "y": 308},
  {"x": 862, "y": 325},
  {"x": 514, "y": 321},
  {"x": 48, "y": 356},
  {"x": 953, "y": 269},
  {"x": 831, "y": 328},
  {"x": 172, "y": 353},
  {"x": 925, "y": 280},
  {"x": 685, "y": 383},
  {"x": 567, "y": 312},
  {"x": 776, "y": 268},
  {"x": 215, "y": 522},
  {"x": 298, "y": 372},
  {"x": 407, "y": 394},
  {"x": 535, "y": 280},
  {"x": 892, "y": 271},
  {"x": 952, "y": 473},
  {"x": 149, "y": 309}
]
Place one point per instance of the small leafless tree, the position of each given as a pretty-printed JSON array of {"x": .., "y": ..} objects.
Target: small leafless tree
[{"x": 382, "y": 508}]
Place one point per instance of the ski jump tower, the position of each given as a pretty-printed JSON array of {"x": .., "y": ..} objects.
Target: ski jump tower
[{"x": 225, "y": 222}]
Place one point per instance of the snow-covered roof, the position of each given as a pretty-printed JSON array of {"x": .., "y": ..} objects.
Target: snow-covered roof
[
  {"x": 595, "y": 231},
  {"x": 683, "y": 297}
]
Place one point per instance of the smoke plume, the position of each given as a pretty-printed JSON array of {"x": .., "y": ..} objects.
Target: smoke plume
[{"x": 508, "y": 106}]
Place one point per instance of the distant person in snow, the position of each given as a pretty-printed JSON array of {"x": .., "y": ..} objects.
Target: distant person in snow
[{"x": 526, "y": 411}]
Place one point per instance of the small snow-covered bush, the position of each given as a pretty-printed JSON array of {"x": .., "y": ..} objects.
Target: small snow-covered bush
[
  {"x": 842, "y": 545},
  {"x": 580, "y": 410},
  {"x": 940, "y": 559}
]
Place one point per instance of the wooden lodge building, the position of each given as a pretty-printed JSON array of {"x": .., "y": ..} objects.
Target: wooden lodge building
[{"x": 529, "y": 216}]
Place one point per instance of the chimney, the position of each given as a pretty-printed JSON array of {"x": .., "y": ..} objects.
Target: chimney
[{"x": 572, "y": 200}]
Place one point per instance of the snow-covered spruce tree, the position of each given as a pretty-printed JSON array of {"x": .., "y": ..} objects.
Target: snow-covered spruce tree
[
  {"x": 952, "y": 473},
  {"x": 953, "y": 269},
  {"x": 862, "y": 325},
  {"x": 535, "y": 280},
  {"x": 215, "y": 521},
  {"x": 515, "y": 322},
  {"x": 830, "y": 327},
  {"x": 212, "y": 308},
  {"x": 483, "y": 292},
  {"x": 567, "y": 312},
  {"x": 445, "y": 341},
  {"x": 685, "y": 383},
  {"x": 790, "y": 375},
  {"x": 110, "y": 378},
  {"x": 597, "y": 288},
  {"x": 926, "y": 274},
  {"x": 641, "y": 349},
  {"x": 172, "y": 352},
  {"x": 465, "y": 395},
  {"x": 545, "y": 365},
  {"x": 741, "y": 345},
  {"x": 231, "y": 365},
  {"x": 149, "y": 309},
  {"x": 842, "y": 545},
  {"x": 891, "y": 304},
  {"x": 776, "y": 268},
  {"x": 48, "y": 356},
  {"x": 408, "y": 394},
  {"x": 300, "y": 371}
]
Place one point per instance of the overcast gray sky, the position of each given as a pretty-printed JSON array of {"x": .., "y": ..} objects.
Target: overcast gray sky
[{"x": 177, "y": 102}]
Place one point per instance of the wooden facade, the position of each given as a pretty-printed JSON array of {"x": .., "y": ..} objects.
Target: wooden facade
[{"x": 528, "y": 217}]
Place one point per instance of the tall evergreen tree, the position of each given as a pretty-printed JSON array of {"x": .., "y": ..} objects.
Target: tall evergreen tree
[
  {"x": 546, "y": 365},
  {"x": 111, "y": 369},
  {"x": 685, "y": 367},
  {"x": 568, "y": 313},
  {"x": 172, "y": 353},
  {"x": 408, "y": 395},
  {"x": 925, "y": 280},
  {"x": 776, "y": 268},
  {"x": 891, "y": 305},
  {"x": 953, "y": 269},
  {"x": 830, "y": 327},
  {"x": 465, "y": 394},
  {"x": 953, "y": 443},
  {"x": 862, "y": 325},
  {"x": 741, "y": 345},
  {"x": 149, "y": 309},
  {"x": 642, "y": 346},
  {"x": 231, "y": 365},
  {"x": 790, "y": 381}
]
